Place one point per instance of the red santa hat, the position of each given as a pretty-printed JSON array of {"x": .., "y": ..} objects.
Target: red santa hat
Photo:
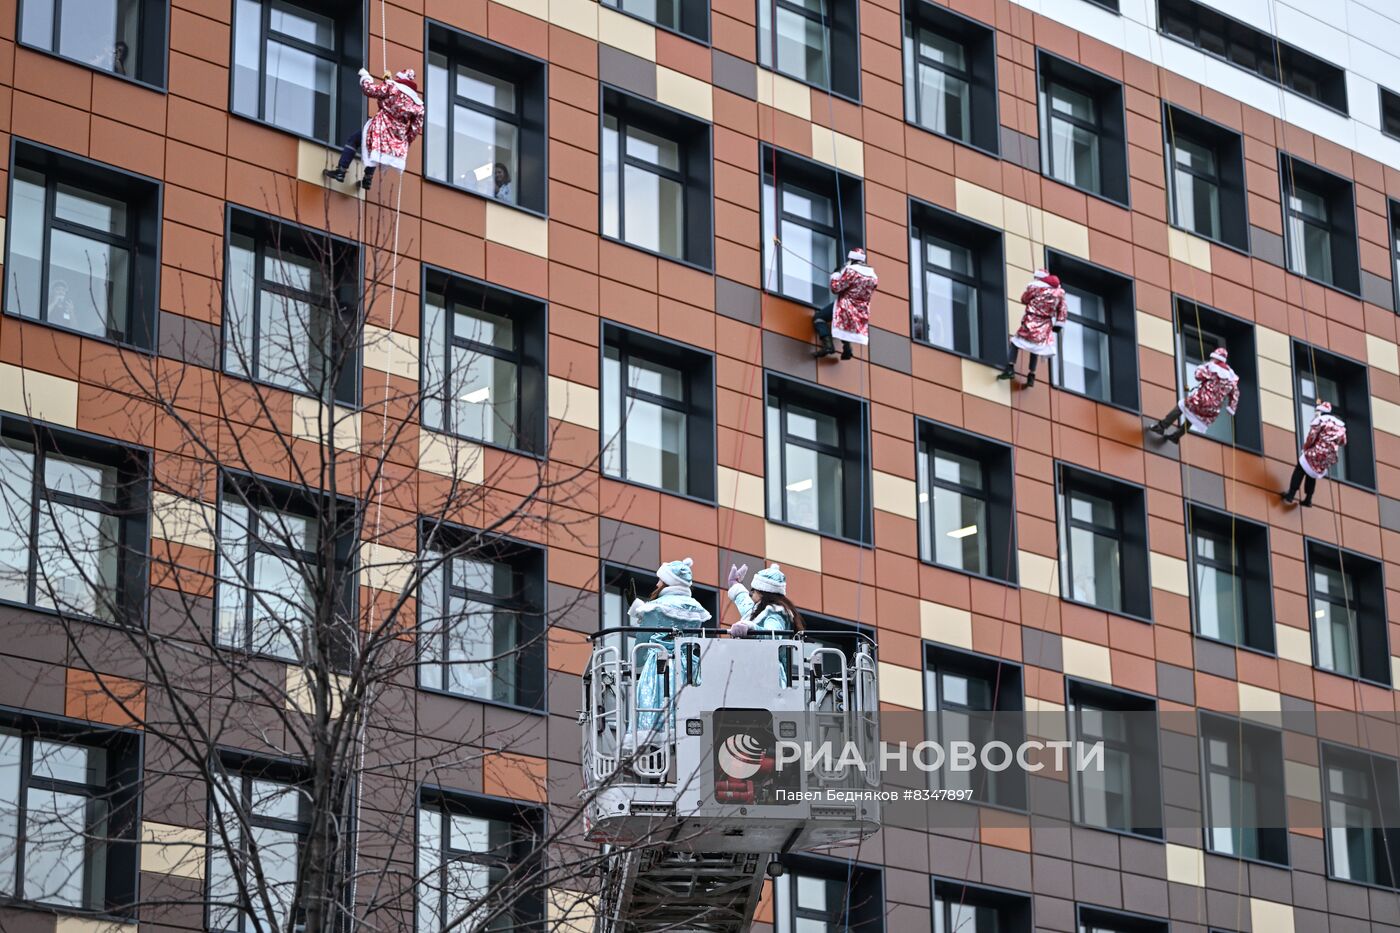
[
  {"x": 857, "y": 254},
  {"x": 1323, "y": 408},
  {"x": 408, "y": 76},
  {"x": 1043, "y": 275},
  {"x": 1221, "y": 356}
]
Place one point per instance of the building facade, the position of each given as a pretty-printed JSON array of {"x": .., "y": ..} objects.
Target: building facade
[{"x": 600, "y": 268}]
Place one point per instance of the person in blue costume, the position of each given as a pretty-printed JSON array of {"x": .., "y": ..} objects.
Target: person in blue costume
[
  {"x": 769, "y": 611},
  {"x": 671, "y": 606}
]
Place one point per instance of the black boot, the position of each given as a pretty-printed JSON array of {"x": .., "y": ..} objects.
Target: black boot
[
  {"x": 1007, "y": 372},
  {"x": 1287, "y": 495},
  {"x": 1030, "y": 379},
  {"x": 1159, "y": 429},
  {"x": 367, "y": 179},
  {"x": 335, "y": 174},
  {"x": 1307, "y": 502},
  {"x": 825, "y": 347},
  {"x": 1176, "y": 436},
  {"x": 845, "y": 349}
]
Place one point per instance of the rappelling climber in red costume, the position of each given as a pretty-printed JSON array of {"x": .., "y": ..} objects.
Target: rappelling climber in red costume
[
  {"x": 1046, "y": 311},
  {"x": 853, "y": 284},
  {"x": 1217, "y": 386},
  {"x": 1326, "y": 435},
  {"x": 386, "y": 136}
]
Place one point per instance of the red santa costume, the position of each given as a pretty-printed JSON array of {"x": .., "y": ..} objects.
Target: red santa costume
[
  {"x": 1321, "y": 447},
  {"x": 388, "y": 134},
  {"x": 1217, "y": 386},
  {"x": 853, "y": 284},
  {"x": 1046, "y": 311}
]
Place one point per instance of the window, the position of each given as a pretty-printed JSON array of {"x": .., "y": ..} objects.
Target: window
[
  {"x": 1246, "y": 813},
  {"x": 295, "y": 64},
  {"x": 1231, "y": 594},
  {"x": 483, "y": 367},
  {"x": 125, "y": 38},
  {"x": 289, "y": 299},
  {"x": 816, "y": 41},
  {"x": 621, "y": 585},
  {"x": 1394, "y": 209},
  {"x": 73, "y": 523},
  {"x": 959, "y": 907},
  {"x": 1205, "y": 178},
  {"x": 1318, "y": 374},
  {"x": 690, "y": 18},
  {"x": 1103, "y": 542},
  {"x": 480, "y": 618},
  {"x": 963, "y": 693},
  {"x": 1360, "y": 791},
  {"x": 1200, "y": 331},
  {"x": 259, "y": 817},
  {"x": 817, "y": 215},
  {"x": 1098, "y": 920},
  {"x": 467, "y": 850},
  {"x": 1390, "y": 112},
  {"x": 957, "y": 284},
  {"x": 658, "y": 413},
  {"x": 818, "y": 462},
  {"x": 1126, "y": 795},
  {"x": 1082, "y": 129},
  {"x": 69, "y": 814},
  {"x": 821, "y": 895},
  {"x": 656, "y": 179},
  {"x": 1319, "y": 225},
  {"x": 268, "y": 563},
  {"x": 1098, "y": 354},
  {"x": 1347, "y": 596},
  {"x": 965, "y": 502},
  {"x": 950, "y": 75},
  {"x": 1253, "y": 50},
  {"x": 485, "y": 122},
  {"x": 83, "y": 246}
]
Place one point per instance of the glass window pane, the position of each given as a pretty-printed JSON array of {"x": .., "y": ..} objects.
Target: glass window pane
[
  {"x": 103, "y": 214},
  {"x": 801, "y": 46},
  {"x": 485, "y": 403},
  {"x": 649, "y": 147},
  {"x": 298, "y": 23},
  {"x": 654, "y": 211},
  {"x": 100, "y": 33},
  {"x": 485, "y": 153},
  {"x": 1074, "y": 155},
  {"x": 612, "y": 159},
  {"x": 24, "y": 265},
  {"x": 485, "y": 89},
  {"x": 436, "y": 105},
  {"x": 36, "y": 23},
  {"x": 1197, "y": 204},
  {"x": 945, "y": 102},
  {"x": 613, "y": 412},
  {"x": 88, "y": 284},
  {"x": 292, "y": 345},
  {"x": 78, "y": 550},
  {"x": 16, "y": 515},
  {"x": 959, "y": 530},
  {"x": 57, "y": 827},
  {"x": 247, "y": 57},
  {"x": 656, "y": 445},
  {"x": 11, "y": 748},
  {"x": 299, "y": 91},
  {"x": 813, "y": 426}
]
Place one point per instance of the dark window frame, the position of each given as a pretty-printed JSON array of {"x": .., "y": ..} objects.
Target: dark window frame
[
  {"x": 1387, "y": 841},
  {"x": 1250, "y": 562},
  {"x": 1003, "y": 790},
  {"x": 986, "y": 333},
  {"x": 351, "y": 38},
  {"x": 1109, "y": 125},
  {"x": 861, "y": 913},
  {"x": 526, "y": 819},
  {"x": 841, "y": 20},
  {"x": 149, "y": 70},
  {"x": 143, "y": 198},
  {"x": 1018, "y": 906},
  {"x": 1254, "y": 51},
  {"x": 1364, "y": 597},
  {"x": 978, "y": 42},
  {"x": 1339, "y": 195},
  {"x": 1390, "y": 112},
  {"x": 1227, "y": 146},
  {"x": 846, "y": 192},
  {"x": 122, "y": 789},
  {"x": 857, "y": 511},
  {"x": 997, "y": 460},
  {"x": 530, "y": 77},
  {"x": 694, "y": 19},
  {"x": 340, "y": 303},
  {"x": 1393, "y": 217},
  {"x": 1136, "y": 749},
  {"x": 1135, "y": 585},
  {"x": 528, "y": 564},
  {"x": 529, "y": 318},
  {"x": 1353, "y": 406},
  {"x": 1118, "y": 921},
  {"x": 1237, "y": 336},
  {"x": 132, "y": 510},
  {"x": 1117, "y": 292},
  {"x": 699, "y": 405},
  {"x": 1248, "y": 736}
]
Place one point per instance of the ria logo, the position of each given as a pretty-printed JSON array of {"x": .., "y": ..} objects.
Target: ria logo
[{"x": 741, "y": 756}]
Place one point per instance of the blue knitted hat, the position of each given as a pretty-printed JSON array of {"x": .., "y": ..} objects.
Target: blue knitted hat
[
  {"x": 675, "y": 573},
  {"x": 771, "y": 579}
]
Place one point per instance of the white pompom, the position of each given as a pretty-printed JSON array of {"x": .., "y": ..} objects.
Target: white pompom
[{"x": 688, "y": 562}]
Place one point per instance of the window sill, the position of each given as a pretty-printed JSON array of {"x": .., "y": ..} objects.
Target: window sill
[
  {"x": 1233, "y": 644},
  {"x": 262, "y": 384},
  {"x": 1374, "y": 886},
  {"x": 711, "y": 502},
  {"x": 71, "y": 617},
  {"x": 1126, "y": 203},
  {"x": 497, "y": 704},
  {"x": 1354, "y": 678},
  {"x": 1242, "y": 250},
  {"x": 804, "y": 303},
  {"x": 1327, "y": 285},
  {"x": 1277, "y": 86},
  {"x": 512, "y": 205},
  {"x": 86, "y": 66},
  {"x": 708, "y": 270},
  {"x": 816, "y": 87},
  {"x": 821, "y": 534},
  {"x": 1131, "y": 834},
  {"x": 995, "y": 154},
  {"x": 698, "y": 40},
  {"x": 995, "y": 364},
  {"x": 1146, "y": 620},
  {"x": 334, "y": 147},
  {"x": 1013, "y": 584},
  {"x": 120, "y": 344},
  {"x": 105, "y": 917},
  {"x": 1232, "y": 445},
  {"x": 1285, "y": 866},
  {"x": 1095, "y": 399},
  {"x": 490, "y": 445}
]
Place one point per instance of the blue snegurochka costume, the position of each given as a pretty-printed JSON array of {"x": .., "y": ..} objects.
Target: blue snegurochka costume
[
  {"x": 771, "y": 618},
  {"x": 673, "y": 608}
]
